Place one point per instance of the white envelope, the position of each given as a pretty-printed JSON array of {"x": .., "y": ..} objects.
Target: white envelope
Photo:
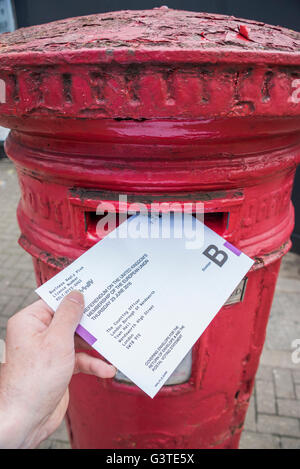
[{"x": 148, "y": 300}]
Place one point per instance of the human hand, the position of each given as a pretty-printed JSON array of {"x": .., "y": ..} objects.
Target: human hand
[{"x": 40, "y": 361}]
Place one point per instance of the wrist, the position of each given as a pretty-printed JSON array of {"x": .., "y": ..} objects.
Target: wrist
[
  {"x": 14, "y": 424},
  {"x": 11, "y": 433}
]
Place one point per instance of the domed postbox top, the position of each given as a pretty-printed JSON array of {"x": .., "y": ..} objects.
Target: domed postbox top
[{"x": 161, "y": 29}]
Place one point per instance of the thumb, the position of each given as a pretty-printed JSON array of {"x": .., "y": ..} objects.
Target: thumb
[{"x": 68, "y": 314}]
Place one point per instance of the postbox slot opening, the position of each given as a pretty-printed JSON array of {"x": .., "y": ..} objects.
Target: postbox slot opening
[
  {"x": 217, "y": 221},
  {"x": 92, "y": 219}
]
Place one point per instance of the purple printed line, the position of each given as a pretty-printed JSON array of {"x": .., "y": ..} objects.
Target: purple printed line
[
  {"x": 232, "y": 248},
  {"x": 89, "y": 338}
]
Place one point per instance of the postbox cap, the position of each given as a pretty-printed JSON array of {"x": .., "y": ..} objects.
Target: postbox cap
[{"x": 159, "y": 34}]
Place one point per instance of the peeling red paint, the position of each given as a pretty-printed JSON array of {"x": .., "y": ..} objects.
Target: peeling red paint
[{"x": 244, "y": 31}]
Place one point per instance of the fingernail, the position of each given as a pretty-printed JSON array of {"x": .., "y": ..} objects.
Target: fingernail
[
  {"x": 76, "y": 297},
  {"x": 113, "y": 368}
]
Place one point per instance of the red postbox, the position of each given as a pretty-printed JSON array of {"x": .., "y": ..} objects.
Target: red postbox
[{"x": 159, "y": 105}]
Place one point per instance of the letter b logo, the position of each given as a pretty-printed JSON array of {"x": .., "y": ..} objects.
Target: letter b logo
[{"x": 215, "y": 255}]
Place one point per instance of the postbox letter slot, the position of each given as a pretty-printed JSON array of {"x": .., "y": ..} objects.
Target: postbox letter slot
[
  {"x": 217, "y": 221},
  {"x": 98, "y": 226}
]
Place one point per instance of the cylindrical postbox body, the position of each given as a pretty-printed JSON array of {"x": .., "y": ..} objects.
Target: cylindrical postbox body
[{"x": 159, "y": 105}]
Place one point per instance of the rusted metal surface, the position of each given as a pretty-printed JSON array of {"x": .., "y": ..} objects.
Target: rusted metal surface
[{"x": 162, "y": 106}]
